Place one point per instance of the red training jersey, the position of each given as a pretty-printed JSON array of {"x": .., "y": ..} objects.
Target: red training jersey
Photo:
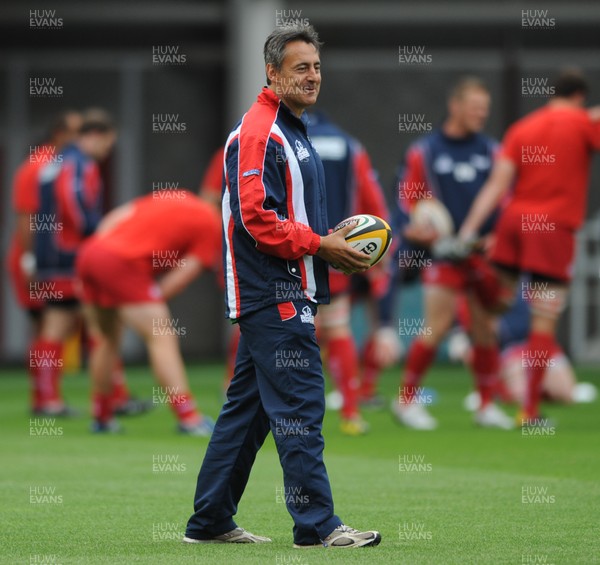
[
  {"x": 161, "y": 231},
  {"x": 551, "y": 149}
]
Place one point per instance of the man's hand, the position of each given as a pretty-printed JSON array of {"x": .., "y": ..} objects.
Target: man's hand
[
  {"x": 421, "y": 235},
  {"x": 173, "y": 282},
  {"x": 498, "y": 184},
  {"x": 594, "y": 113},
  {"x": 387, "y": 346},
  {"x": 335, "y": 250},
  {"x": 453, "y": 248}
]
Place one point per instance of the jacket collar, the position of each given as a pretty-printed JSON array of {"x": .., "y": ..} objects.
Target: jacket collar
[{"x": 268, "y": 97}]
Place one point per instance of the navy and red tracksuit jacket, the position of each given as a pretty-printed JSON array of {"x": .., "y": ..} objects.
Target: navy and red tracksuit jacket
[
  {"x": 274, "y": 210},
  {"x": 70, "y": 208}
]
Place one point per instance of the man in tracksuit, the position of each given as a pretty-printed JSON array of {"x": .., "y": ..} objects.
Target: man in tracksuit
[{"x": 275, "y": 254}]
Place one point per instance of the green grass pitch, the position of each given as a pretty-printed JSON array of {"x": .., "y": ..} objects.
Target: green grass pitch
[{"x": 459, "y": 495}]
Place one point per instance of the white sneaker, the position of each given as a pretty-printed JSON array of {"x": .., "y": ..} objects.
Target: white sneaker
[
  {"x": 414, "y": 416},
  {"x": 346, "y": 537},
  {"x": 472, "y": 401},
  {"x": 493, "y": 417},
  {"x": 203, "y": 428},
  {"x": 584, "y": 393},
  {"x": 334, "y": 400},
  {"x": 239, "y": 535}
]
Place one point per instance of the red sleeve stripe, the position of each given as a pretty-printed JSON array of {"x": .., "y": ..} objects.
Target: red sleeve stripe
[
  {"x": 251, "y": 157},
  {"x": 264, "y": 225}
]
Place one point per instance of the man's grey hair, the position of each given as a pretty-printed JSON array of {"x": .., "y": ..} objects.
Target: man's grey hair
[{"x": 274, "y": 50}]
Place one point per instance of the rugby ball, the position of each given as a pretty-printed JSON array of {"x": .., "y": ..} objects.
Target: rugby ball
[
  {"x": 432, "y": 213},
  {"x": 372, "y": 235}
]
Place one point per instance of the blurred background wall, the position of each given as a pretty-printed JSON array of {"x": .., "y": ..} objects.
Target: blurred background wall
[{"x": 383, "y": 62}]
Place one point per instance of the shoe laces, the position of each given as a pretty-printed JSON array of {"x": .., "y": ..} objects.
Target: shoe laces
[{"x": 346, "y": 529}]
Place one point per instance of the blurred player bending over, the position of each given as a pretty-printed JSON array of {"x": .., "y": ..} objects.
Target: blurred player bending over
[
  {"x": 352, "y": 188},
  {"x": 21, "y": 258},
  {"x": 178, "y": 236},
  {"x": 546, "y": 156},
  {"x": 68, "y": 209},
  {"x": 451, "y": 164}
]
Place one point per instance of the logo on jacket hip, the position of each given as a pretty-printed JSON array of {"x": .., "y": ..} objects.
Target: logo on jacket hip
[{"x": 307, "y": 317}]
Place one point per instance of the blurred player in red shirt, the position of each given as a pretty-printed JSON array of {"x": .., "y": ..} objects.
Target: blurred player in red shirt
[
  {"x": 546, "y": 156},
  {"x": 67, "y": 210},
  {"x": 172, "y": 233}
]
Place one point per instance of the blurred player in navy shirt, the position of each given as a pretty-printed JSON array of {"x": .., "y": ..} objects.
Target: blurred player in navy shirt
[
  {"x": 21, "y": 259},
  {"x": 69, "y": 209},
  {"x": 451, "y": 164},
  {"x": 352, "y": 188}
]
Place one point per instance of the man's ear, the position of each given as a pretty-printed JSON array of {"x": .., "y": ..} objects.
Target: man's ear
[
  {"x": 271, "y": 72},
  {"x": 451, "y": 105}
]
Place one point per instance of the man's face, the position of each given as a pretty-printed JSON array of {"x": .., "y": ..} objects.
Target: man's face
[
  {"x": 471, "y": 109},
  {"x": 106, "y": 143},
  {"x": 69, "y": 134},
  {"x": 298, "y": 81},
  {"x": 73, "y": 121},
  {"x": 98, "y": 145}
]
